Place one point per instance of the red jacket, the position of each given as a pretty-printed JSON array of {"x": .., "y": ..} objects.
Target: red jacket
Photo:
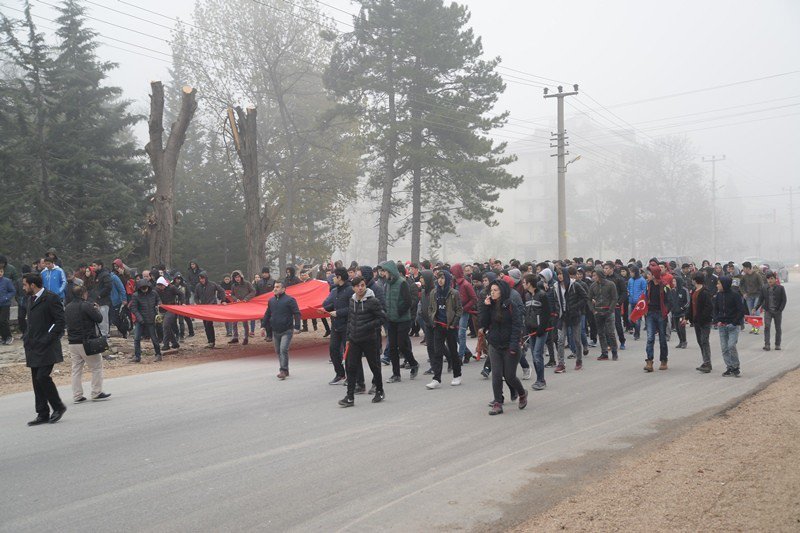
[{"x": 468, "y": 298}]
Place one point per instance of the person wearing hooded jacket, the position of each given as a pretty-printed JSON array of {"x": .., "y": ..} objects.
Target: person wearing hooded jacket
[
  {"x": 701, "y": 314},
  {"x": 398, "y": 306},
  {"x": 773, "y": 302},
  {"x": 144, "y": 306},
  {"x": 337, "y": 303},
  {"x": 729, "y": 312},
  {"x": 193, "y": 278},
  {"x": 291, "y": 277},
  {"x": 427, "y": 285},
  {"x": 445, "y": 312},
  {"x": 206, "y": 292},
  {"x": 364, "y": 318},
  {"x": 602, "y": 300},
  {"x": 169, "y": 295},
  {"x": 658, "y": 307},
  {"x": 469, "y": 302},
  {"x": 184, "y": 322},
  {"x": 570, "y": 302},
  {"x": 503, "y": 321},
  {"x": 241, "y": 291},
  {"x": 537, "y": 324}
]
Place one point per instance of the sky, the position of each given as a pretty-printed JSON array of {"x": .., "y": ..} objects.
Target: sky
[{"x": 617, "y": 51}]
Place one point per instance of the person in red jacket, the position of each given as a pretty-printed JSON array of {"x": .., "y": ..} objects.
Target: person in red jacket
[{"x": 469, "y": 307}]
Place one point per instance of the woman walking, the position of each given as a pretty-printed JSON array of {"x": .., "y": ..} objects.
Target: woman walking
[{"x": 503, "y": 321}]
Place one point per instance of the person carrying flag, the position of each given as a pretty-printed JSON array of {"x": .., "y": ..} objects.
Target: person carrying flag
[
  {"x": 656, "y": 319},
  {"x": 637, "y": 286}
]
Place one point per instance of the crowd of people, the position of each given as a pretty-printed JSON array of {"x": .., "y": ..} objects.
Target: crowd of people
[{"x": 562, "y": 307}]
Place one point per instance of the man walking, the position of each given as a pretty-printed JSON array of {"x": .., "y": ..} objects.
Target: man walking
[
  {"x": 398, "y": 305},
  {"x": 751, "y": 287},
  {"x": 602, "y": 301},
  {"x": 773, "y": 301},
  {"x": 337, "y": 303},
  {"x": 701, "y": 313},
  {"x": 144, "y": 306},
  {"x": 206, "y": 292},
  {"x": 42, "y": 342},
  {"x": 282, "y": 312}
]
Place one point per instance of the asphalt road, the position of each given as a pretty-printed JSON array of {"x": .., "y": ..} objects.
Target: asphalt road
[{"x": 224, "y": 446}]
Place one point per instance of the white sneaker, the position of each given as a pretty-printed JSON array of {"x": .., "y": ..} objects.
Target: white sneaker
[
  {"x": 433, "y": 384},
  {"x": 456, "y": 381},
  {"x": 526, "y": 373}
]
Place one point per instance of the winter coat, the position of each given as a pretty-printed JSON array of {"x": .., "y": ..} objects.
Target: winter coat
[
  {"x": 292, "y": 278},
  {"x": 7, "y": 291},
  {"x": 45, "y": 328},
  {"x": 636, "y": 287},
  {"x": 537, "y": 313},
  {"x": 103, "y": 286},
  {"x": 426, "y": 296},
  {"x": 448, "y": 300},
  {"x": 81, "y": 318},
  {"x": 398, "y": 295},
  {"x": 701, "y": 308},
  {"x": 144, "y": 306},
  {"x": 118, "y": 294},
  {"x": 602, "y": 297},
  {"x": 468, "y": 298},
  {"x": 375, "y": 285},
  {"x": 282, "y": 312},
  {"x": 504, "y": 326},
  {"x": 193, "y": 274},
  {"x": 752, "y": 284},
  {"x": 729, "y": 307},
  {"x": 778, "y": 297},
  {"x": 170, "y": 295},
  {"x": 339, "y": 300},
  {"x": 679, "y": 301},
  {"x": 210, "y": 293},
  {"x": 241, "y": 292},
  {"x": 364, "y": 318},
  {"x": 264, "y": 286},
  {"x": 55, "y": 281}
]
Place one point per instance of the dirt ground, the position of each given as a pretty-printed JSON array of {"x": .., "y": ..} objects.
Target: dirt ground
[
  {"x": 735, "y": 472},
  {"x": 16, "y": 377}
]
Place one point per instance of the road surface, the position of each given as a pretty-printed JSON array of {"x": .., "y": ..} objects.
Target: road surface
[{"x": 225, "y": 446}]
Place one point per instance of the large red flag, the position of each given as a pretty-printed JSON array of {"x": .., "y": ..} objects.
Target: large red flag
[
  {"x": 309, "y": 296},
  {"x": 640, "y": 309}
]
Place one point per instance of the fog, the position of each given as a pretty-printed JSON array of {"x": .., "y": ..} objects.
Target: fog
[{"x": 726, "y": 76}]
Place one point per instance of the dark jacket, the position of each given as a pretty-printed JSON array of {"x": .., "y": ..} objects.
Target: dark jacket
[
  {"x": 729, "y": 307},
  {"x": 778, "y": 302},
  {"x": 193, "y": 275},
  {"x": 45, "y": 327},
  {"x": 701, "y": 308},
  {"x": 169, "y": 295},
  {"x": 241, "y": 292},
  {"x": 144, "y": 305},
  {"x": 103, "y": 286},
  {"x": 398, "y": 295},
  {"x": 603, "y": 297},
  {"x": 292, "y": 278},
  {"x": 263, "y": 286},
  {"x": 679, "y": 301},
  {"x": 425, "y": 296},
  {"x": 364, "y": 318},
  {"x": 447, "y": 300},
  {"x": 339, "y": 300},
  {"x": 210, "y": 293},
  {"x": 503, "y": 320},
  {"x": 82, "y": 319},
  {"x": 622, "y": 287},
  {"x": 537, "y": 313},
  {"x": 282, "y": 311},
  {"x": 7, "y": 291},
  {"x": 374, "y": 285}
]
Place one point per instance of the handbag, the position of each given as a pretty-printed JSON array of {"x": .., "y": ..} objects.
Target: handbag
[{"x": 95, "y": 345}]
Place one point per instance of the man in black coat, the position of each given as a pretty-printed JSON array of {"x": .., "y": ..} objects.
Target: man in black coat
[{"x": 42, "y": 341}]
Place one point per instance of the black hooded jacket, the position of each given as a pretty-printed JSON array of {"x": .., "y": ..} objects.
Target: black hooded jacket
[
  {"x": 729, "y": 307},
  {"x": 291, "y": 278},
  {"x": 503, "y": 320},
  {"x": 144, "y": 305}
]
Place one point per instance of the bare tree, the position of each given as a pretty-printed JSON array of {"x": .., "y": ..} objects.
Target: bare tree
[{"x": 161, "y": 222}]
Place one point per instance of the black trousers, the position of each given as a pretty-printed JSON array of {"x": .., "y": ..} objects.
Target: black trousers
[
  {"x": 399, "y": 341},
  {"x": 45, "y": 391},
  {"x": 5, "y": 329},
  {"x": 336, "y": 350},
  {"x": 185, "y": 323},
  {"x": 442, "y": 335},
  {"x": 681, "y": 328},
  {"x": 618, "y": 324},
  {"x": 370, "y": 351},
  {"x": 210, "y": 335},
  {"x": 22, "y": 316}
]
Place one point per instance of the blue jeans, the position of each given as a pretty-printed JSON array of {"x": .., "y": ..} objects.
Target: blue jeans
[
  {"x": 656, "y": 323},
  {"x": 282, "y": 341},
  {"x": 728, "y": 337},
  {"x": 463, "y": 322},
  {"x": 637, "y": 328},
  {"x": 537, "y": 354},
  {"x": 752, "y": 303},
  {"x": 571, "y": 336}
]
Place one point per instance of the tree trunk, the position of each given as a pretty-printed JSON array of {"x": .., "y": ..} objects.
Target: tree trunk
[
  {"x": 390, "y": 167},
  {"x": 416, "y": 173},
  {"x": 161, "y": 222},
  {"x": 245, "y": 136}
]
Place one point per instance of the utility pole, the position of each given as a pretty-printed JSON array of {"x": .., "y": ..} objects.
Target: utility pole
[
  {"x": 562, "y": 168},
  {"x": 713, "y": 160},
  {"x": 791, "y": 224}
]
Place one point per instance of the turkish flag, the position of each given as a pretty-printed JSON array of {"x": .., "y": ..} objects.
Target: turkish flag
[
  {"x": 639, "y": 310},
  {"x": 755, "y": 321}
]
